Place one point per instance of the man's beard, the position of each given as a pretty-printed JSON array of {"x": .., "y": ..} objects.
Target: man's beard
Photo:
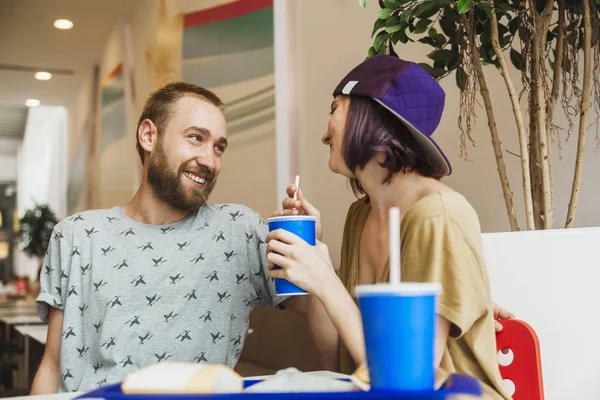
[{"x": 168, "y": 187}]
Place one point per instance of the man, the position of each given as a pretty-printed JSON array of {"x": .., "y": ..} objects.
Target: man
[{"x": 166, "y": 277}]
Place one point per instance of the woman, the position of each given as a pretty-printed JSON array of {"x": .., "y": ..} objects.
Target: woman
[{"x": 379, "y": 133}]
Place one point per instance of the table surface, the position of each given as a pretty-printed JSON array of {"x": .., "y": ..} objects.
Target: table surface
[
  {"x": 17, "y": 303},
  {"x": 10, "y": 312},
  {"x": 21, "y": 319},
  {"x": 36, "y": 332},
  {"x": 56, "y": 396}
]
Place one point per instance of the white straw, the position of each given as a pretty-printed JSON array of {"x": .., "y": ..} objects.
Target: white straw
[
  {"x": 394, "y": 228},
  {"x": 297, "y": 184}
]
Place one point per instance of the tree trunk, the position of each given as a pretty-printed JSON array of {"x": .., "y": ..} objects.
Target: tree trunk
[
  {"x": 556, "y": 88},
  {"x": 496, "y": 144},
  {"x": 537, "y": 53},
  {"x": 534, "y": 154},
  {"x": 523, "y": 139},
  {"x": 585, "y": 106}
]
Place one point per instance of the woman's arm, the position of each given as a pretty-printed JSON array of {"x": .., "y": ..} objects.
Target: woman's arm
[
  {"x": 323, "y": 334},
  {"x": 346, "y": 317},
  {"x": 310, "y": 268}
]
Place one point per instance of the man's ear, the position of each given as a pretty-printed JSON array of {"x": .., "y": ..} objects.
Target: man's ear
[{"x": 147, "y": 135}]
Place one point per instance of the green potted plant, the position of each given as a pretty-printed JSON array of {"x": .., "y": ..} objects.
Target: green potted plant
[{"x": 35, "y": 230}]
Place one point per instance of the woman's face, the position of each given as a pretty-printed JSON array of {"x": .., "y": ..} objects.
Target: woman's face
[{"x": 334, "y": 137}]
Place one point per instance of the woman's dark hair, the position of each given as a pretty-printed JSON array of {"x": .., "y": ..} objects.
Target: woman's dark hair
[{"x": 371, "y": 129}]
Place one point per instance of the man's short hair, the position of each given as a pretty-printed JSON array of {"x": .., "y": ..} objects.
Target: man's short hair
[{"x": 158, "y": 107}]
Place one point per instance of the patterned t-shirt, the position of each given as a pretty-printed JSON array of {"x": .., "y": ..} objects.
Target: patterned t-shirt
[{"x": 135, "y": 294}]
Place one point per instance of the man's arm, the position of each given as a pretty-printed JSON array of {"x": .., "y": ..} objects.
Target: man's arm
[
  {"x": 48, "y": 374},
  {"x": 322, "y": 331}
]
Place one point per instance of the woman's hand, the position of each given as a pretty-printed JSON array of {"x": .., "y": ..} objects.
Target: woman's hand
[
  {"x": 301, "y": 206},
  {"x": 306, "y": 266},
  {"x": 500, "y": 314}
]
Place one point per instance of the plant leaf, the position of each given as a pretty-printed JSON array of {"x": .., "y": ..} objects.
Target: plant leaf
[
  {"x": 439, "y": 40},
  {"x": 409, "y": 34},
  {"x": 392, "y": 51},
  {"x": 464, "y": 6},
  {"x": 422, "y": 25},
  {"x": 392, "y": 20},
  {"x": 428, "y": 40},
  {"x": 485, "y": 7},
  {"x": 513, "y": 25},
  {"x": 434, "y": 72},
  {"x": 378, "y": 24},
  {"x": 442, "y": 56},
  {"x": 380, "y": 40},
  {"x": 448, "y": 23},
  {"x": 516, "y": 58},
  {"x": 363, "y": 3},
  {"x": 540, "y": 5},
  {"x": 384, "y": 13},
  {"x": 505, "y": 7},
  {"x": 395, "y": 28},
  {"x": 426, "y": 9},
  {"x": 453, "y": 63},
  {"x": 461, "y": 78},
  {"x": 426, "y": 67}
]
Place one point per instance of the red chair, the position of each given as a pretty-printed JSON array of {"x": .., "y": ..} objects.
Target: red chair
[{"x": 525, "y": 370}]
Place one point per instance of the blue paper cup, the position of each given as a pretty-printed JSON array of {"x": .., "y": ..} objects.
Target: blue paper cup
[
  {"x": 303, "y": 226},
  {"x": 399, "y": 324}
]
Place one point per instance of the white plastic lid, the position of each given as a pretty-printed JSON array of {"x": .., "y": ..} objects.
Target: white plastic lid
[
  {"x": 402, "y": 289},
  {"x": 292, "y": 218}
]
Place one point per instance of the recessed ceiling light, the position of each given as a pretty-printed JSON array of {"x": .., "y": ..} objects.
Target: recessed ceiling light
[
  {"x": 43, "y": 76},
  {"x": 63, "y": 24},
  {"x": 32, "y": 102}
]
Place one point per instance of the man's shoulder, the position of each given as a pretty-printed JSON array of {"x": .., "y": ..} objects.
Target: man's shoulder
[
  {"x": 237, "y": 213},
  {"x": 86, "y": 218}
]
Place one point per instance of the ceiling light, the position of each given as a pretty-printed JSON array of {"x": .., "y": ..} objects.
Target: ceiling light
[
  {"x": 32, "y": 102},
  {"x": 63, "y": 24},
  {"x": 43, "y": 76}
]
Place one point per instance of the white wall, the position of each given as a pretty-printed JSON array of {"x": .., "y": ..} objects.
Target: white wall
[
  {"x": 42, "y": 169},
  {"x": 8, "y": 167},
  {"x": 331, "y": 37},
  {"x": 8, "y": 158},
  {"x": 549, "y": 279}
]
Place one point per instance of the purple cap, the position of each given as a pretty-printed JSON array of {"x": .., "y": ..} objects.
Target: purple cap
[{"x": 408, "y": 92}]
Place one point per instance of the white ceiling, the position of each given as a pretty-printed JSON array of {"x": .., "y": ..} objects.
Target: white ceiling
[
  {"x": 28, "y": 39},
  {"x": 12, "y": 121}
]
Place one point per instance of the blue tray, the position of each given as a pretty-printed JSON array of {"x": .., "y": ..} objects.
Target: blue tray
[{"x": 457, "y": 384}]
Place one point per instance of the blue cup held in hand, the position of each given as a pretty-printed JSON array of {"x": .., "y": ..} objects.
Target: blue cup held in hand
[
  {"x": 303, "y": 226},
  {"x": 400, "y": 324}
]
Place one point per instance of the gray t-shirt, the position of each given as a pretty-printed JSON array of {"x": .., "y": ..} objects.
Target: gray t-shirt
[{"x": 136, "y": 294}]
